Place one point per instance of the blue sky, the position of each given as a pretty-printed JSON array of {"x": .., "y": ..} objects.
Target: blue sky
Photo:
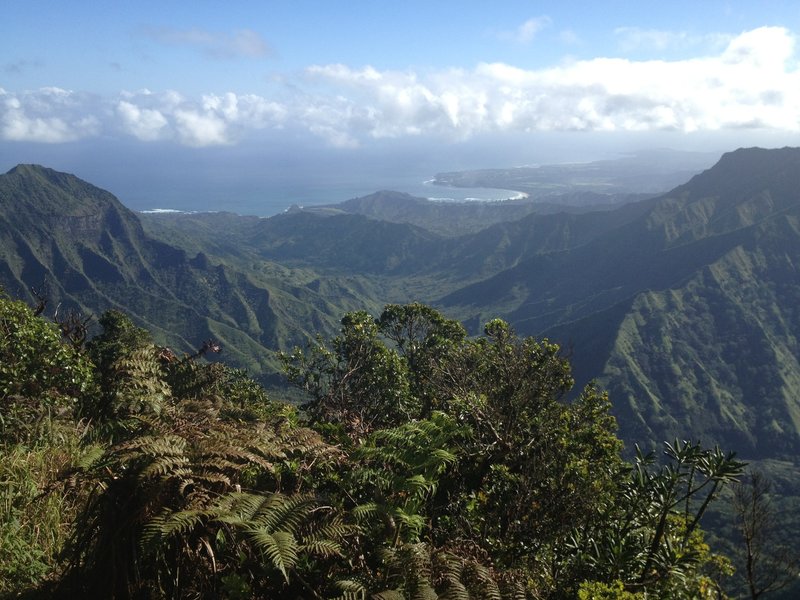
[{"x": 524, "y": 81}]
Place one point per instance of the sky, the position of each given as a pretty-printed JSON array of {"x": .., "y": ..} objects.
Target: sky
[{"x": 251, "y": 98}]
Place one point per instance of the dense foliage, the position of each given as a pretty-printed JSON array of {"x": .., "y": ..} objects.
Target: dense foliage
[{"x": 425, "y": 465}]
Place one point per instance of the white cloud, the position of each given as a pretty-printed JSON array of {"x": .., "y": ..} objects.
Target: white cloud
[
  {"x": 50, "y": 115},
  {"x": 241, "y": 43},
  {"x": 751, "y": 83},
  {"x": 196, "y": 128},
  {"x": 212, "y": 120},
  {"x": 144, "y": 123},
  {"x": 525, "y": 33}
]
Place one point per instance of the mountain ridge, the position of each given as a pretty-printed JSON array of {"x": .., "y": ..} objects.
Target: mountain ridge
[{"x": 611, "y": 285}]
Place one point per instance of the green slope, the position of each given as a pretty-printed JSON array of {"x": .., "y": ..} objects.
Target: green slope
[
  {"x": 687, "y": 314},
  {"x": 719, "y": 354},
  {"x": 683, "y": 306},
  {"x": 84, "y": 251}
]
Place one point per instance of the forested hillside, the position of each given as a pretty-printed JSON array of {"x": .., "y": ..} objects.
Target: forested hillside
[{"x": 682, "y": 306}]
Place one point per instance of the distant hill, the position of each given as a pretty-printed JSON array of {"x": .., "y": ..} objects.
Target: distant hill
[
  {"x": 460, "y": 218},
  {"x": 652, "y": 171}
]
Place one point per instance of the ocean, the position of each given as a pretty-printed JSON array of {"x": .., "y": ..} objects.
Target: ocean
[{"x": 271, "y": 199}]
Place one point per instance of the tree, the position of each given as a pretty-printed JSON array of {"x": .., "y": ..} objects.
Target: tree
[
  {"x": 359, "y": 383},
  {"x": 769, "y": 564},
  {"x": 423, "y": 337},
  {"x": 474, "y": 452}
]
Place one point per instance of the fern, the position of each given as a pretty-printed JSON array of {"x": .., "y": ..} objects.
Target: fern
[
  {"x": 280, "y": 547},
  {"x": 165, "y": 512},
  {"x": 389, "y": 595},
  {"x": 352, "y": 590}
]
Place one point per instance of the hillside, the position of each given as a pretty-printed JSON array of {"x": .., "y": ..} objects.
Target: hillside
[
  {"x": 688, "y": 313},
  {"x": 682, "y": 306},
  {"x": 80, "y": 248}
]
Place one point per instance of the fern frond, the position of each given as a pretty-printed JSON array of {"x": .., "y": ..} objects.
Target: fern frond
[
  {"x": 325, "y": 548},
  {"x": 284, "y": 512},
  {"x": 181, "y": 522},
  {"x": 168, "y": 524},
  {"x": 280, "y": 547},
  {"x": 90, "y": 456},
  {"x": 242, "y": 505},
  {"x": 333, "y": 529},
  {"x": 352, "y": 590},
  {"x": 455, "y": 591},
  {"x": 425, "y": 592},
  {"x": 414, "y": 522},
  {"x": 211, "y": 477},
  {"x": 484, "y": 581},
  {"x": 166, "y": 466},
  {"x": 153, "y": 446}
]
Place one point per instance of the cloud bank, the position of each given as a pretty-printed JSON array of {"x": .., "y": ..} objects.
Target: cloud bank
[{"x": 753, "y": 82}]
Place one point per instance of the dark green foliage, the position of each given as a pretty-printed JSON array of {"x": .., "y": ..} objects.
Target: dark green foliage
[
  {"x": 40, "y": 376},
  {"x": 424, "y": 339},
  {"x": 166, "y": 517},
  {"x": 651, "y": 532},
  {"x": 459, "y": 470},
  {"x": 359, "y": 384},
  {"x": 497, "y": 470},
  {"x": 129, "y": 374}
]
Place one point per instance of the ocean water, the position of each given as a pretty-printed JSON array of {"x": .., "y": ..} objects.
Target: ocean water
[
  {"x": 251, "y": 179},
  {"x": 271, "y": 198}
]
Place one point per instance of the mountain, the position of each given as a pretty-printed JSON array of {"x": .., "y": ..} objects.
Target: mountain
[
  {"x": 687, "y": 314},
  {"x": 684, "y": 306},
  {"x": 76, "y": 245}
]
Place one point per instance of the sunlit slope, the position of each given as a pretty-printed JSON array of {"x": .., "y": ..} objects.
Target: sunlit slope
[
  {"x": 688, "y": 314},
  {"x": 718, "y": 355}
]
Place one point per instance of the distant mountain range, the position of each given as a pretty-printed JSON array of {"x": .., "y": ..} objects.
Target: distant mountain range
[{"x": 686, "y": 306}]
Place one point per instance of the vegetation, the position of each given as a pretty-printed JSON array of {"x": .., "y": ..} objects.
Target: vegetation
[
  {"x": 425, "y": 464},
  {"x": 684, "y": 307}
]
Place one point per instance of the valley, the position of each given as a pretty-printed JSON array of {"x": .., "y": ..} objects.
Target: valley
[{"x": 684, "y": 305}]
